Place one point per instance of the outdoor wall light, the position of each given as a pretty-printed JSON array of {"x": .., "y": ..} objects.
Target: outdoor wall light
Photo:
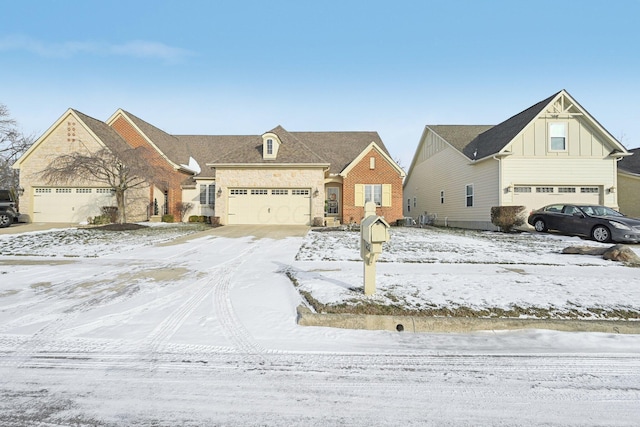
[
  {"x": 219, "y": 192},
  {"x": 20, "y": 191},
  {"x": 612, "y": 189},
  {"x": 316, "y": 193}
]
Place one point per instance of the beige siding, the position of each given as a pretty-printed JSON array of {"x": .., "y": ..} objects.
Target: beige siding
[
  {"x": 448, "y": 170},
  {"x": 582, "y": 140},
  {"x": 629, "y": 194}
]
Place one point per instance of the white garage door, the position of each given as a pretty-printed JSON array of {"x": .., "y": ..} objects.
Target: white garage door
[
  {"x": 66, "y": 204},
  {"x": 535, "y": 197},
  {"x": 274, "y": 206}
]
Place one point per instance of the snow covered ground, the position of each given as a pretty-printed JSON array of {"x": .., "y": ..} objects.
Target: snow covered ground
[{"x": 129, "y": 331}]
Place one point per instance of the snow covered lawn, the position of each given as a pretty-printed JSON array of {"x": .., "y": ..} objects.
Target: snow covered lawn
[
  {"x": 146, "y": 329},
  {"x": 436, "y": 271}
]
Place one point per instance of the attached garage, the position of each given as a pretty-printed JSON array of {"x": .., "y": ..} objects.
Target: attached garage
[
  {"x": 535, "y": 197},
  {"x": 69, "y": 204},
  {"x": 269, "y": 206}
]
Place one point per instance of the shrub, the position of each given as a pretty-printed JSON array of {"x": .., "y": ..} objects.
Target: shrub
[
  {"x": 167, "y": 218},
  {"x": 507, "y": 217},
  {"x": 200, "y": 218},
  {"x": 110, "y": 212},
  {"x": 100, "y": 220}
]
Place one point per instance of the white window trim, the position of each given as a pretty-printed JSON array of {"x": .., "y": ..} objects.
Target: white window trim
[
  {"x": 565, "y": 128},
  {"x": 466, "y": 195}
]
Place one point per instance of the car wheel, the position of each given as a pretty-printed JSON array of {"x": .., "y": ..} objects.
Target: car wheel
[
  {"x": 601, "y": 234},
  {"x": 5, "y": 220},
  {"x": 540, "y": 225}
]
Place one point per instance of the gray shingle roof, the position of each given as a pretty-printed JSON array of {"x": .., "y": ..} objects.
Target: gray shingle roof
[
  {"x": 107, "y": 135},
  {"x": 171, "y": 146},
  {"x": 631, "y": 163},
  {"x": 338, "y": 149},
  {"x": 477, "y": 142}
]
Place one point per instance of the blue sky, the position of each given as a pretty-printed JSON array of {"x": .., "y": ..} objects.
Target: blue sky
[{"x": 244, "y": 67}]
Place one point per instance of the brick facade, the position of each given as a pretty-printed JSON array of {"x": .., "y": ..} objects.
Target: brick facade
[
  {"x": 382, "y": 173},
  {"x": 171, "y": 178}
]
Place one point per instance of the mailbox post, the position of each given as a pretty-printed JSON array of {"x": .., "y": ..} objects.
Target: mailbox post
[{"x": 374, "y": 231}]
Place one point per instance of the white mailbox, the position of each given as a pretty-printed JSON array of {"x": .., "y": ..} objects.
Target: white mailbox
[{"x": 374, "y": 231}]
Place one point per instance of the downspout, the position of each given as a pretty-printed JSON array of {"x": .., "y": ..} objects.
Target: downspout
[{"x": 500, "y": 187}]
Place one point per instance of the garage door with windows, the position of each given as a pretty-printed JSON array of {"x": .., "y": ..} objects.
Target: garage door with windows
[
  {"x": 269, "y": 206},
  {"x": 535, "y": 197},
  {"x": 67, "y": 204}
]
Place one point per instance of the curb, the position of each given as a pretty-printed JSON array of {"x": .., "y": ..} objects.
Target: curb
[{"x": 459, "y": 324}]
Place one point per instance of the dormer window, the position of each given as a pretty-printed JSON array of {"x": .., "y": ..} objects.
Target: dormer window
[{"x": 270, "y": 145}]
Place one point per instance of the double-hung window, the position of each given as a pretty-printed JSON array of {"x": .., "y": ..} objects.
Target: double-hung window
[
  {"x": 373, "y": 193},
  {"x": 469, "y": 195},
  {"x": 558, "y": 136}
]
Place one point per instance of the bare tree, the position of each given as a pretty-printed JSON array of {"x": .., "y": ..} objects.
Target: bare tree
[
  {"x": 121, "y": 170},
  {"x": 183, "y": 208},
  {"x": 12, "y": 145}
]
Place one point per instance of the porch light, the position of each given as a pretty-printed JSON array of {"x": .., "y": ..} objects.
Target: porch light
[
  {"x": 219, "y": 192},
  {"x": 20, "y": 191},
  {"x": 612, "y": 189},
  {"x": 316, "y": 192}
]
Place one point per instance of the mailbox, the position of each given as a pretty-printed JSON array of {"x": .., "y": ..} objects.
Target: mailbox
[{"x": 374, "y": 231}]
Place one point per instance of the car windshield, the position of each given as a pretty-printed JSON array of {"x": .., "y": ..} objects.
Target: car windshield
[{"x": 600, "y": 211}]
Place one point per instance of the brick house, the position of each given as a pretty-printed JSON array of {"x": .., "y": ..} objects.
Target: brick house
[{"x": 279, "y": 177}]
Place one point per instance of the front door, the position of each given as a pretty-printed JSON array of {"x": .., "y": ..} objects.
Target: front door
[{"x": 333, "y": 201}]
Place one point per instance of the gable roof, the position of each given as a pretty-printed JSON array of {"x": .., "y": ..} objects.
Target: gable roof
[
  {"x": 168, "y": 145},
  {"x": 339, "y": 149},
  {"x": 103, "y": 133},
  {"x": 333, "y": 149},
  {"x": 493, "y": 140},
  {"x": 479, "y": 142},
  {"x": 631, "y": 164}
]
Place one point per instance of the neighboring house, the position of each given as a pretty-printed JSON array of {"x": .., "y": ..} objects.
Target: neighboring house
[
  {"x": 554, "y": 151},
  {"x": 278, "y": 177},
  {"x": 43, "y": 202},
  {"x": 629, "y": 184}
]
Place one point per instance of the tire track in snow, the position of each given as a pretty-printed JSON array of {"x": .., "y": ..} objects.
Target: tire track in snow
[{"x": 217, "y": 285}]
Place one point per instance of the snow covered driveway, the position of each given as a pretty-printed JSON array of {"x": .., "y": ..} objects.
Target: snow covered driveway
[{"x": 203, "y": 333}]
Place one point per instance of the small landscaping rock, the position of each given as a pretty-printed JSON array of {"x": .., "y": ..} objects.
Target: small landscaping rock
[{"x": 621, "y": 253}]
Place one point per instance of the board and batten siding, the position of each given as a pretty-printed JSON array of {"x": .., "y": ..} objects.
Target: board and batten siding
[
  {"x": 582, "y": 140},
  {"x": 440, "y": 167},
  {"x": 628, "y": 197},
  {"x": 585, "y": 162}
]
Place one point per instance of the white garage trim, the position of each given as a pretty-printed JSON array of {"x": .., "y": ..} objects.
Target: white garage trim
[
  {"x": 70, "y": 204},
  {"x": 537, "y": 196},
  {"x": 269, "y": 206}
]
